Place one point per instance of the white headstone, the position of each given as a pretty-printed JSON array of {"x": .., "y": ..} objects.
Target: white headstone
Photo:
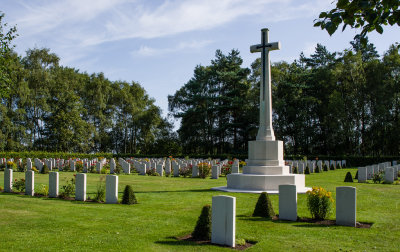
[
  {"x": 346, "y": 204},
  {"x": 112, "y": 189},
  {"x": 389, "y": 175},
  {"x": 175, "y": 167},
  {"x": 80, "y": 187},
  {"x": 8, "y": 180},
  {"x": 160, "y": 170},
  {"x": 195, "y": 171},
  {"x": 362, "y": 174},
  {"x": 53, "y": 184},
  {"x": 30, "y": 183},
  {"x": 214, "y": 172},
  {"x": 223, "y": 229},
  {"x": 288, "y": 202}
]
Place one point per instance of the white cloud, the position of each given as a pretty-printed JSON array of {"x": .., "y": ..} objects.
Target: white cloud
[{"x": 183, "y": 46}]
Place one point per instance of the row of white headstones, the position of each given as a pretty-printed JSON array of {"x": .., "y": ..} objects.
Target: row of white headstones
[
  {"x": 390, "y": 170},
  {"x": 223, "y": 207},
  {"x": 312, "y": 164},
  {"x": 80, "y": 185},
  {"x": 161, "y": 166},
  {"x": 224, "y": 211}
]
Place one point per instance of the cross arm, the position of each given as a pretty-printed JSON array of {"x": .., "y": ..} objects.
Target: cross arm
[{"x": 270, "y": 46}]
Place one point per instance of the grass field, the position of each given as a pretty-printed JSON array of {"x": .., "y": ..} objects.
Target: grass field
[{"x": 169, "y": 207}]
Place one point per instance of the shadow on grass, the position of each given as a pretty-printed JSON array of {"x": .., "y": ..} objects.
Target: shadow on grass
[{"x": 177, "y": 191}]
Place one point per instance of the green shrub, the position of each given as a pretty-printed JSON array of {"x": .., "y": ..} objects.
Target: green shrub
[
  {"x": 264, "y": 207},
  {"x": 100, "y": 193},
  {"x": 307, "y": 170},
  {"x": 204, "y": 170},
  {"x": 79, "y": 166},
  {"x": 186, "y": 171},
  {"x": 68, "y": 189},
  {"x": 332, "y": 168},
  {"x": 19, "y": 185},
  {"x": 356, "y": 177},
  {"x": 319, "y": 202},
  {"x": 295, "y": 170},
  {"x": 348, "y": 177},
  {"x": 317, "y": 169},
  {"x": 45, "y": 170},
  {"x": 152, "y": 172},
  {"x": 129, "y": 197},
  {"x": 339, "y": 166},
  {"x": 202, "y": 231},
  {"x": 377, "y": 177},
  {"x": 324, "y": 167},
  {"x": 43, "y": 190}
]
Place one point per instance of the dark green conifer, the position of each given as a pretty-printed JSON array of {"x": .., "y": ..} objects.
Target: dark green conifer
[
  {"x": 129, "y": 197},
  {"x": 264, "y": 207}
]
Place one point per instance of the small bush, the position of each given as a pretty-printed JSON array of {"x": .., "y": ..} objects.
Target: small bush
[
  {"x": 100, "y": 193},
  {"x": 186, "y": 171},
  {"x": 356, "y": 177},
  {"x": 307, "y": 171},
  {"x": 332, "y": 168},
  {"x": 319, "y": 202},
  {"x": 79, "y": 166},
  {"x": 339, "y": 166},
  {"x": 324, "y": 167},
  {"x": 202, "y": 231},
  {"x": 377, "y": 177},
  {"x": 118, "y": 168},
  {"x": 204, "y": 170},
  {"x": 43, "y": 190},
  {"x": 68, "y": 189},
  {"x": 34, "y": 169},
  {"x": 348, "y": 177},
  {"x": 295, "y": 170},
  {"x": 317, "y": 169},
  {"x": 226, "y": 169},
  {"x": 19, "y": 185},
  {"x": 264, "y": 207},
  {"x": 129, "y": 197},
  {"x": 152, "y": 172},
  {"x": 45, "y": 170}
]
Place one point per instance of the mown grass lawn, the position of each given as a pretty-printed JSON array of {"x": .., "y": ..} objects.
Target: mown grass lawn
[{"x": 169, "y": 207}]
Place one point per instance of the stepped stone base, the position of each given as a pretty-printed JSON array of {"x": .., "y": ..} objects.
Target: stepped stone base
[{"x": 256, "y": 183}]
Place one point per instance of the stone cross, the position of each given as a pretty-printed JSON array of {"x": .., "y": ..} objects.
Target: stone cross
[{"x": 265, "y": 131}]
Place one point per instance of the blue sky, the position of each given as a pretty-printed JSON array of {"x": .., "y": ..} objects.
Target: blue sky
[{"x": 158, "y": 43}]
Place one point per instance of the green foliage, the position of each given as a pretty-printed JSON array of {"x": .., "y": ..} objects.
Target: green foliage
[
  {"x": 128, "y": 197},
  {"x": 319, "y": 203},
  {"x": 43, "y": 190},
  {"x": 45, "y": 170},
  {"x": 356, "y": 176},
  {"x": 263, "y": 207},
  {"x": 152, "y": 172},
  {"x": 377, "y": 177},
  {"x": 204, "y": 170},
  {"x": 69, "y": 189},
  {"x": 332, "y": 168},
  {"x": 324, "y": 167},
  {"x": 186, "y": 171},
  {"x": 348, "y": 177},
  {"x": 307, "y": 170},
  {"x": 202, "y": 230},
  {"x": 295, "y": 170},
  {"x": 19, "y": 185},
  {"x": 100, "y": 193},
  {"x": 317, "y": 169},
  {"x": 358, "y": 14}
]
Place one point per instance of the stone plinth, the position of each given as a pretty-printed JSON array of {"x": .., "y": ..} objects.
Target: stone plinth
[
  {"x": 223, "y": 220},
  {"x": 264, "y": 175}
]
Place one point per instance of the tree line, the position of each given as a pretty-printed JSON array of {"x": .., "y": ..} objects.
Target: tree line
[
  {"x": 330, "y": 103},
  {"x": 48, "y": 107}
]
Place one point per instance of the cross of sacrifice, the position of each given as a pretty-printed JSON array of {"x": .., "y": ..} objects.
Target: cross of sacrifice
[{"x": 265, "y": 131}]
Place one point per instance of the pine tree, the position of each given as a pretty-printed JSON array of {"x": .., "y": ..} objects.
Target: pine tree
[{"x": 264, "y": 207}]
